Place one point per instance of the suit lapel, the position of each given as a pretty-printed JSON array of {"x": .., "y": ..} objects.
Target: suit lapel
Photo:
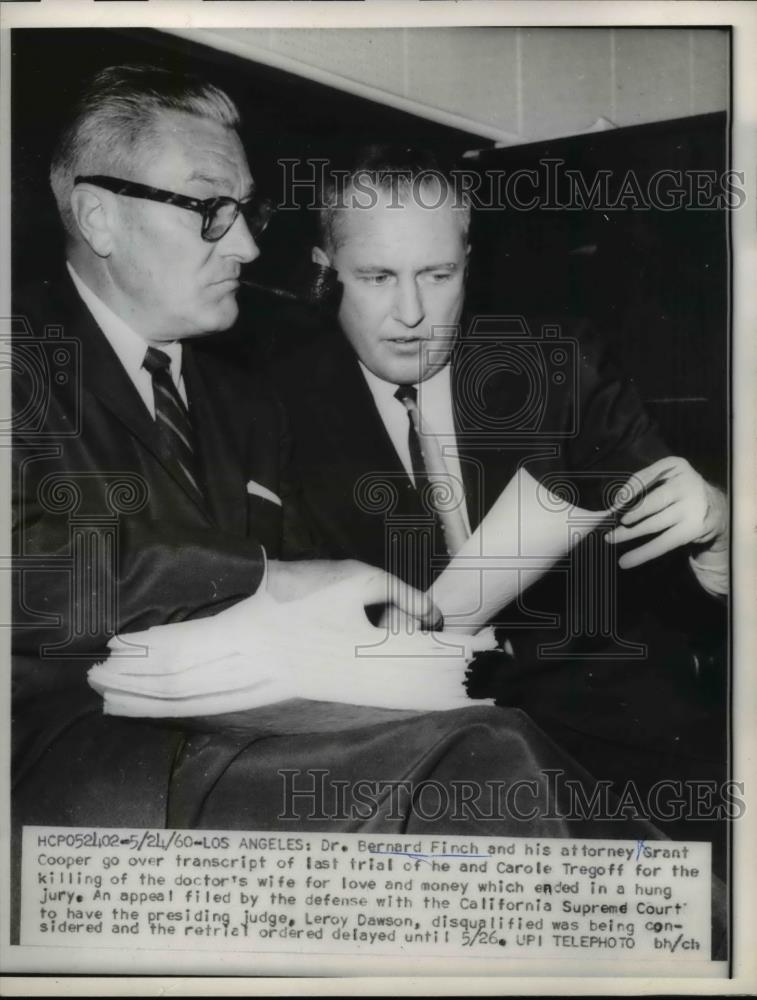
[
  {"x": 105, "y": 378},
  {"x": 225, "y": 487},
  {"x": 472, "y": 462},
  {"x": 357, "y": 436},
  {"x": 487, "y": 462},
  {"x": 358, "y": 440}
]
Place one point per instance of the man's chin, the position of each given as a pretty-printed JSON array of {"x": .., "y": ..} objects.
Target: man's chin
[
  {"x": 412, "y": 363},
  {"x": 218, "y": 319},
  {"x": 408, "y": 373}
]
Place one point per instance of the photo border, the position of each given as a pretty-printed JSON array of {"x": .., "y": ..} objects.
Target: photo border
[{"x": 743, "y": 473}]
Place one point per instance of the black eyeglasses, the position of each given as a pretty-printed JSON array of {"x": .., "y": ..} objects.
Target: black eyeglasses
[{"x": 218, "y": 214}]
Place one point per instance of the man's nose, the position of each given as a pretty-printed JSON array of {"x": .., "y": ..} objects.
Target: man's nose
[
  {"x": 409, "y": 309},
  {"x": 239, "y": 242}
]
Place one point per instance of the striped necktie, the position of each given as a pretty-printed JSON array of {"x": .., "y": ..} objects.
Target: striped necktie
[
  {"x": 432, "y": 478},
  {"x": 172, "y": 419}
]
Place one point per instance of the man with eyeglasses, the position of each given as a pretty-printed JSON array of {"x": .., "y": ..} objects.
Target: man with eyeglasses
[
  {"x": 148, "y": 483},
  {"x": 148, "y": 494},
  {"x": 147, "y": 474}
]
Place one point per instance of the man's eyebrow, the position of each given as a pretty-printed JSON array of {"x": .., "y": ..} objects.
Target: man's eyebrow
[
  {"x": 198, "y": 175},
  {"x": 380, "y": 269},
  {"x": 214, "y": 180},
  {"x": 373, "y": 269},
  {"x": 449, "y": 265}
]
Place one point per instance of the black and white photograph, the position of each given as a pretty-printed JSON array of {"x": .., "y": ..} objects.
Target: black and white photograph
[{"x": 380, "y": 524}]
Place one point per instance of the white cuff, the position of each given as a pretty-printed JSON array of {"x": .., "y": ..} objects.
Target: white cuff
[{"x": 711, "y": 569}]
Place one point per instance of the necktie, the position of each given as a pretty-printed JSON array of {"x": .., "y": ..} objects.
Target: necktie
[
  {"x": 172, "y": 419},
  {"x": 432, "y": 478}
]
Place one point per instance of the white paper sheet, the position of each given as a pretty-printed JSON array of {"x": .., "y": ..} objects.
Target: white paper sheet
[{"x": 524, "y": 534}]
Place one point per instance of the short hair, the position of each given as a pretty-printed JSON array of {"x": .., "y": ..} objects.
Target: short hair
[
  {"x": 115, "y": 117},
  {"x": 385, "y": 168}
]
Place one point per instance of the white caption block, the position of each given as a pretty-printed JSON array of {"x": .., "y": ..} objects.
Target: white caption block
[{"x": 419, "y": 896}]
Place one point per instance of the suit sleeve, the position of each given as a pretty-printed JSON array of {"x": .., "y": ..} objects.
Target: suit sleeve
[
  {"x": 91, "y": 559},
  {"x": 607, "y": 434},
  {"x": 615, "y": 432},
  {"x": 74, "y": 589}
]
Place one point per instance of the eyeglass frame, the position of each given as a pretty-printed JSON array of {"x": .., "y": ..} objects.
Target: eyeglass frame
[{"x": 207, "y": 207}]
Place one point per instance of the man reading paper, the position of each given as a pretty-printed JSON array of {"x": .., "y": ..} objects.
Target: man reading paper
[
  {"x": 416, "y": 424},
  {"x": 148, "y": 499},
  {"x": 148, "y": 515},
  {"x": 404, "y": 377}
]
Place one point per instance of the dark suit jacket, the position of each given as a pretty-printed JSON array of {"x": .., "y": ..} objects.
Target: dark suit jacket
[
  {"x": 85, "y": 450},
  {"x": 106, "y": 537},
  {"x": 78, "y": 767},
  {"x": 574, "y": 420},
  {"x": 591, "y": 429}
]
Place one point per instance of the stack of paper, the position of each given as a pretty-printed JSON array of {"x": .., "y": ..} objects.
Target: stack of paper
[{"x": 260, "y": 652}]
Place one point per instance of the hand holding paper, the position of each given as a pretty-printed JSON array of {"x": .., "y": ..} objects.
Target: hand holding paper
[
  {"x": 308, "y": 636},
  {"x": 529, "y": 529},
  {"x": 674, "y": 503},
  {"x": 288, "y": 581}
]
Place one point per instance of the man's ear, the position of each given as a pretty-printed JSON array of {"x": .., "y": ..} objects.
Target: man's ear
[
  {"x": 319, "y": 256},
  {"x": 93, "y": 218}
]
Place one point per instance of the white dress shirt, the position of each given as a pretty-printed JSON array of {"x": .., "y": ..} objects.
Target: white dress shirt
[
  {"x": 435, "y": 406},
  {"x": 128, "y": 345}
]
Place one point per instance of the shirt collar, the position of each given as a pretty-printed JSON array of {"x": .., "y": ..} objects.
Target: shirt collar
[
  {"x": 128, "y": 345},
  {"x": 432, "y": 392}
]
